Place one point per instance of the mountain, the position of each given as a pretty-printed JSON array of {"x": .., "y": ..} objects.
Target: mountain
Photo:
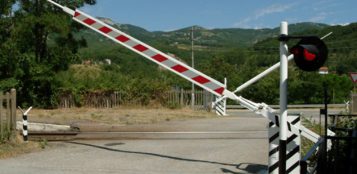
[
  {"x": 301, "y": 27},
  {"x": 205, "y": 39},
  {"x": 233, "y": 53},
  {"x": 342, "y": 36},
  {"x": 209, "y": 42},
  {"x": 231, "y": 36},
  {"x": 341, "y": 45}
]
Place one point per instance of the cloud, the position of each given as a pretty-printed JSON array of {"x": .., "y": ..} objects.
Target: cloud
[
  {"x": 275, "y": 8},
  {"x": 319, "y": 17},
  {"x": 243, "y": 23}
]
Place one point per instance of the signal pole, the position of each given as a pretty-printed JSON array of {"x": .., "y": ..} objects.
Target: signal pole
[
  {"x": 193, "y": 66},
  {"x": 283, "y": 99}
]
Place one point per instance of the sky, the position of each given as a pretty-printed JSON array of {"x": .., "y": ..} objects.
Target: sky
[{"x": 168, "y": 15}]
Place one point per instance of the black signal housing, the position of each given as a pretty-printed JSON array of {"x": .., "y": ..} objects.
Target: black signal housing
[{"x": 310, "y": 53}]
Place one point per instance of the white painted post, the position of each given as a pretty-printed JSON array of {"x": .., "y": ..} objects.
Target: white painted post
[
  {"x": 25, "y": 124},
  {"x": 283, "y": 99},
  {"x": 273, "y": 162},
  {"x": 225, "y": 100},
  {"x": 293, "y": 146},
  {"x": 25, "y": 128},
  {"x": 292, "y": 149}
]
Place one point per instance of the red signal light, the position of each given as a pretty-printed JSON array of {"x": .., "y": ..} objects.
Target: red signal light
[
  {"x": 309, "y": 56},
  {"x": 301, "y": 51}
]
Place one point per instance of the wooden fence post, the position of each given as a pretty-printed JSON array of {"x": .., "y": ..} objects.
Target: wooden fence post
[
  {"x": 177, "y": 97},
  {"x": 13, "y": 108},
  {"x": 181, "y": 97},
  {"x": 8, "y": 113}
]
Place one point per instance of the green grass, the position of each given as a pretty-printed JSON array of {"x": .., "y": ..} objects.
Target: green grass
[{"x": 306, "y": 144}]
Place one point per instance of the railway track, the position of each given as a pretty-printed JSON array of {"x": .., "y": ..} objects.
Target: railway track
[
  {"x": 102, "y": 135},
  {"x": 52, "y": 136}
]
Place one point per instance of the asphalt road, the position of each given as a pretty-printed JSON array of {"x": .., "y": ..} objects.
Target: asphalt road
[
  {"x": 234, "y": 144},
  {"x": 220, "y": 145},
  {"x": 310, "y": 114}
]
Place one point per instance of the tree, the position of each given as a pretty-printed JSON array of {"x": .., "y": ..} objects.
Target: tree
[
  {"x": 7, "y": 48},
  {"x": 38, "y": 42}
]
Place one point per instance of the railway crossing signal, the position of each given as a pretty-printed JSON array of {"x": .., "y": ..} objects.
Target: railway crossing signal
[{"x": 310, "y": 53}]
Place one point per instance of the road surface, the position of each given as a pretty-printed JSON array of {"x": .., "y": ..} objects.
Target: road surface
[
  {"x": 309, "y": 113},
  {"x": 233, "y": 145},
  {"x": 219, "y": 145}
]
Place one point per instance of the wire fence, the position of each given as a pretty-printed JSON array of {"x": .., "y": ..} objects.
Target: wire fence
[
  {"x": 7, "y": 114},
  {"x": 112, "y": 99}
]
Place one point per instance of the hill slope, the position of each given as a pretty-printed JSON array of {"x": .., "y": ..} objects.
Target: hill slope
[
  {"x": 237, "y": 54},
  {"x": 341, "y": 45},
  {"x": 206, "y": 38}
]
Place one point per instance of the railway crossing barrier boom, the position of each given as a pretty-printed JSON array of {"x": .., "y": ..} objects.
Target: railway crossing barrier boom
[{"x": 290, "y": 126}]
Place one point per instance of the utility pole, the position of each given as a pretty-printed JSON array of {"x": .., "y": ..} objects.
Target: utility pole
[{"x": 193, "y": 66}]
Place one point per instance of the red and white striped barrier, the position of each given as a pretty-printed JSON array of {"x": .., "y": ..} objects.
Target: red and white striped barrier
[
  {"x": 151, "y": 53},
  {"x": 209, "y": 84},
  {"x": 177, "y": 67}
]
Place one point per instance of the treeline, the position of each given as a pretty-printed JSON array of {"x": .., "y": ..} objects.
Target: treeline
[
  {"x": 45, "y": 55},
  {"x": 36, "y": 42}
]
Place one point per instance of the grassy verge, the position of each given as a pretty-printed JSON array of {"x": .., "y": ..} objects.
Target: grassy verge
[
  {"x": 117, "y": 116},
  {"x": 306, "y": 144},
  {"x": 17, "y": 147}
]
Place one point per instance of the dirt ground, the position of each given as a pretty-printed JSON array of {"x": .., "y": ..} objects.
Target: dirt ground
[
  {"x": 113, "y": 116},
  {"x": 90, "y": 119}
]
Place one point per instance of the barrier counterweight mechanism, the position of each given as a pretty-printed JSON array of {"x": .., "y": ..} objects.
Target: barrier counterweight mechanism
[{"x": 286, "y": 128}]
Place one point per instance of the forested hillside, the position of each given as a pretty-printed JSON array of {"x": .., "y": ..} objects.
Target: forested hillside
[
  {"x": 256, "y": 51},
  {"x": 44, "y": 59}
]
